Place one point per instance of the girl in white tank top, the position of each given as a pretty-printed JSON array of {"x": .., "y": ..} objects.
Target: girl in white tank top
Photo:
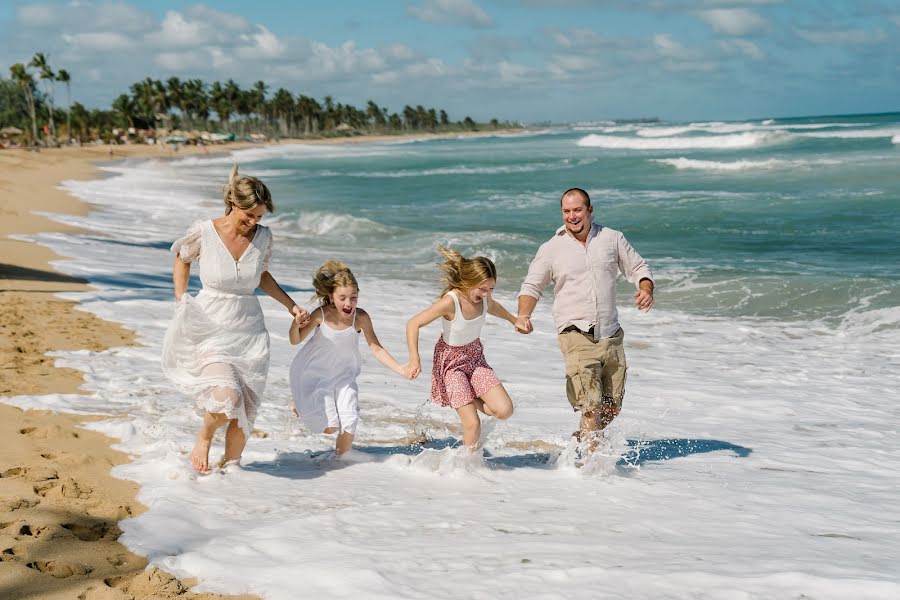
[
  {"x": 461, "y": 377},
  {"x": 323, "y": 374}
]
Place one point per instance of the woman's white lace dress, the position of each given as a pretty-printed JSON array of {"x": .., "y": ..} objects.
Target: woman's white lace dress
[{"x": 216, "y": 349}]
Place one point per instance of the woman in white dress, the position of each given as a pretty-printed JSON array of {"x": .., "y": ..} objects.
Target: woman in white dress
[{"x": 216, "y": 349}]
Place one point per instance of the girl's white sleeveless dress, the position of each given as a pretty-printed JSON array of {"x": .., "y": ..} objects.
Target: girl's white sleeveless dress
[
  {"x": 323, "y": 379},
  {"x": 216, "y": 348}
]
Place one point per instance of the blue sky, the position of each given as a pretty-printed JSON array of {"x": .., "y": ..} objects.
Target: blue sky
[{"x": 528, "y": 60}]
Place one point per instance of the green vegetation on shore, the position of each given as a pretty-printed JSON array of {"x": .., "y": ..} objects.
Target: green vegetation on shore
[{"x": 191, "y": 109}]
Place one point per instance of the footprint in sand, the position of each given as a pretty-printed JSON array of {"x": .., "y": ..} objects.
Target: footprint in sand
[
  {"x": 11, "y": 503},
  {"x": 30, "y": 473},
  {"x": 15, "y": 553},
  {"x": 50, "y": 431},
  {"x": 67, "y": 488},
  {"x": 59, "y": 569},
  {"x": 92, "y": 532}
]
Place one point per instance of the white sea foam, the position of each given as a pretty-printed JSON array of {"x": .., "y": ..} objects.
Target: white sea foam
[
  {"x": 880, "y": 132},
  {"x": 896, "y": 139},
  {"x": 469, "y": 169},
  {"x": 725, "y": 142},
  {"x": 732, "y": 429},
  {"x": 742, "y": 165},
  {"x": 739, "y": 127}
]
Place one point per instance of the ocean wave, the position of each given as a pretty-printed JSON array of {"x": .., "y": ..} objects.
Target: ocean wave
[
  {"x": 884, "y": 132},
  {"x": 323, "y": 223},
  {"x": 740, "y": 165},
  {"x": 565, "y": 163},
  {"x": 724, "y": 128},
  {"x": 740, "y": 140}
]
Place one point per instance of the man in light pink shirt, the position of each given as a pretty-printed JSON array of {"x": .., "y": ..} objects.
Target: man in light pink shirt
[{"x": 582, "y": 260}]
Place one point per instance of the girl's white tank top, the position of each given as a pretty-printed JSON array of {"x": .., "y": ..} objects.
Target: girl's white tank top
[{"x": 460, "y": 331}]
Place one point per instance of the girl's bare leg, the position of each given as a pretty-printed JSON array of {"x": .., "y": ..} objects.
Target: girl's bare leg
[
  {"x": 471, "y": 425},
  {"x": 495, "y": 403},
  {"x": 200, "y": 453}
]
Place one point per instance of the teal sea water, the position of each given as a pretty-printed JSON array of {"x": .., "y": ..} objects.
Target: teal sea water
[{"x": 788, "y": 218}]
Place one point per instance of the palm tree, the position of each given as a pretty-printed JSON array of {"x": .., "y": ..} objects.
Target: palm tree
[
  {"x": 151, "y": 100},
  {"x": 283, "y": 110},
  {"x": 257, "y": 100},
  {"x": 21, "y": 76},
  {"x": 175, "y": 94},
  {"x": 375, "y": 113},
  {"x": 39, "y": 62},
  {"x": 125, "y": 106},
  {"x": 63, "y": 77}
]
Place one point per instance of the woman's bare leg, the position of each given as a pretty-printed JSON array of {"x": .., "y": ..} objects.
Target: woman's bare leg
[
  {"x": 235, "y": 440},
  {"x": 200, "y": 453}
]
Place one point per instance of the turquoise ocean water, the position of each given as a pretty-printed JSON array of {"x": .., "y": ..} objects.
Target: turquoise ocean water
[{"x": 794, "y": 218}]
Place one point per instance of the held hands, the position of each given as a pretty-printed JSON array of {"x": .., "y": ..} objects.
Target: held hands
[
  {"x": 523, "y": 324},
  {"x": 301, "y": 317},
  {"x": 411, "y": 369},
  {"x": 643, "y": 299}
]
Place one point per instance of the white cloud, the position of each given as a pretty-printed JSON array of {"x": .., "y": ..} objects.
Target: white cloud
[
  {"x": 742, "y": 47},
  {"x": 176, "y": 31},
  {"x": 263, "y": 44},
  {"x": 37, "y": 15},
  {"x": 734, "y": 21},
  {"x": 178, "y": 62},
  {"x": 578, "y": 38},
  {"x": 98, "y": 41},
  {"x": 451, "y": 12},
  {"x": 677, "y": 57},
  {"x": 848, "y": 37}
]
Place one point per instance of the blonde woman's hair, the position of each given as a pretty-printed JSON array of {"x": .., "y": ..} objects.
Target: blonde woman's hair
[
  {"x": 461, "y": 273},
  {"x": 246, "y": 192},
  {"x": 330, "y": 276}
]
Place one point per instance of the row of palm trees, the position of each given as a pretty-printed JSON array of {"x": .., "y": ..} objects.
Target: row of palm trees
[
  {"x": 191, "y": 104},
  {"x": 23, "y": 77}
]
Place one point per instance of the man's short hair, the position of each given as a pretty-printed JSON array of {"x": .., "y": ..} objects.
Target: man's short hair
[{"x": 580, "y": 192}]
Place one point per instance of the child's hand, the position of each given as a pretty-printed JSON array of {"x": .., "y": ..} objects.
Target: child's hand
[
  {"x": 412, "y": 369},
  {"x": 301, "y": 317},
  {"x": 523, "y": 324},
  {"x": 294, "y": 410}
]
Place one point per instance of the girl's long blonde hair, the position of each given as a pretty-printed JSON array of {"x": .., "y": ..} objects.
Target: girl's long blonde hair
[
  {"x": 331, "y": 275},
  {"x": 245, "y": 192},
  {"x": 461, "y": 273}
]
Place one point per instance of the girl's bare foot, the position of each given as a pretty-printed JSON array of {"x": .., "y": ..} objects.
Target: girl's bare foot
[{"x": 200, "y": 455}]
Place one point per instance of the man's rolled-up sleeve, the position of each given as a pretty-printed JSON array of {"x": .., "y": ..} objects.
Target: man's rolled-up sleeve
[
  {"x": 539, "y": 275},
  {"x": 632, "y": 266}
]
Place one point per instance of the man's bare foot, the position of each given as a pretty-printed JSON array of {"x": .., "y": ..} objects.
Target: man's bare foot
[{"x": 200, "y": 455}]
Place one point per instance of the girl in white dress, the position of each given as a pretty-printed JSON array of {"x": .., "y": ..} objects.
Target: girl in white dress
[
  {"x": 216, "y": 349},
  {"x": 323, "y": 374}
]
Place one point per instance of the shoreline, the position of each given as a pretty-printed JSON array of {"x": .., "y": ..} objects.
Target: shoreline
[{"x": 57, "y": 484}]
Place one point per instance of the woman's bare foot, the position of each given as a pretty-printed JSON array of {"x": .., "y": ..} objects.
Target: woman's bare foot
[{"x": 200, "y": 455}]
